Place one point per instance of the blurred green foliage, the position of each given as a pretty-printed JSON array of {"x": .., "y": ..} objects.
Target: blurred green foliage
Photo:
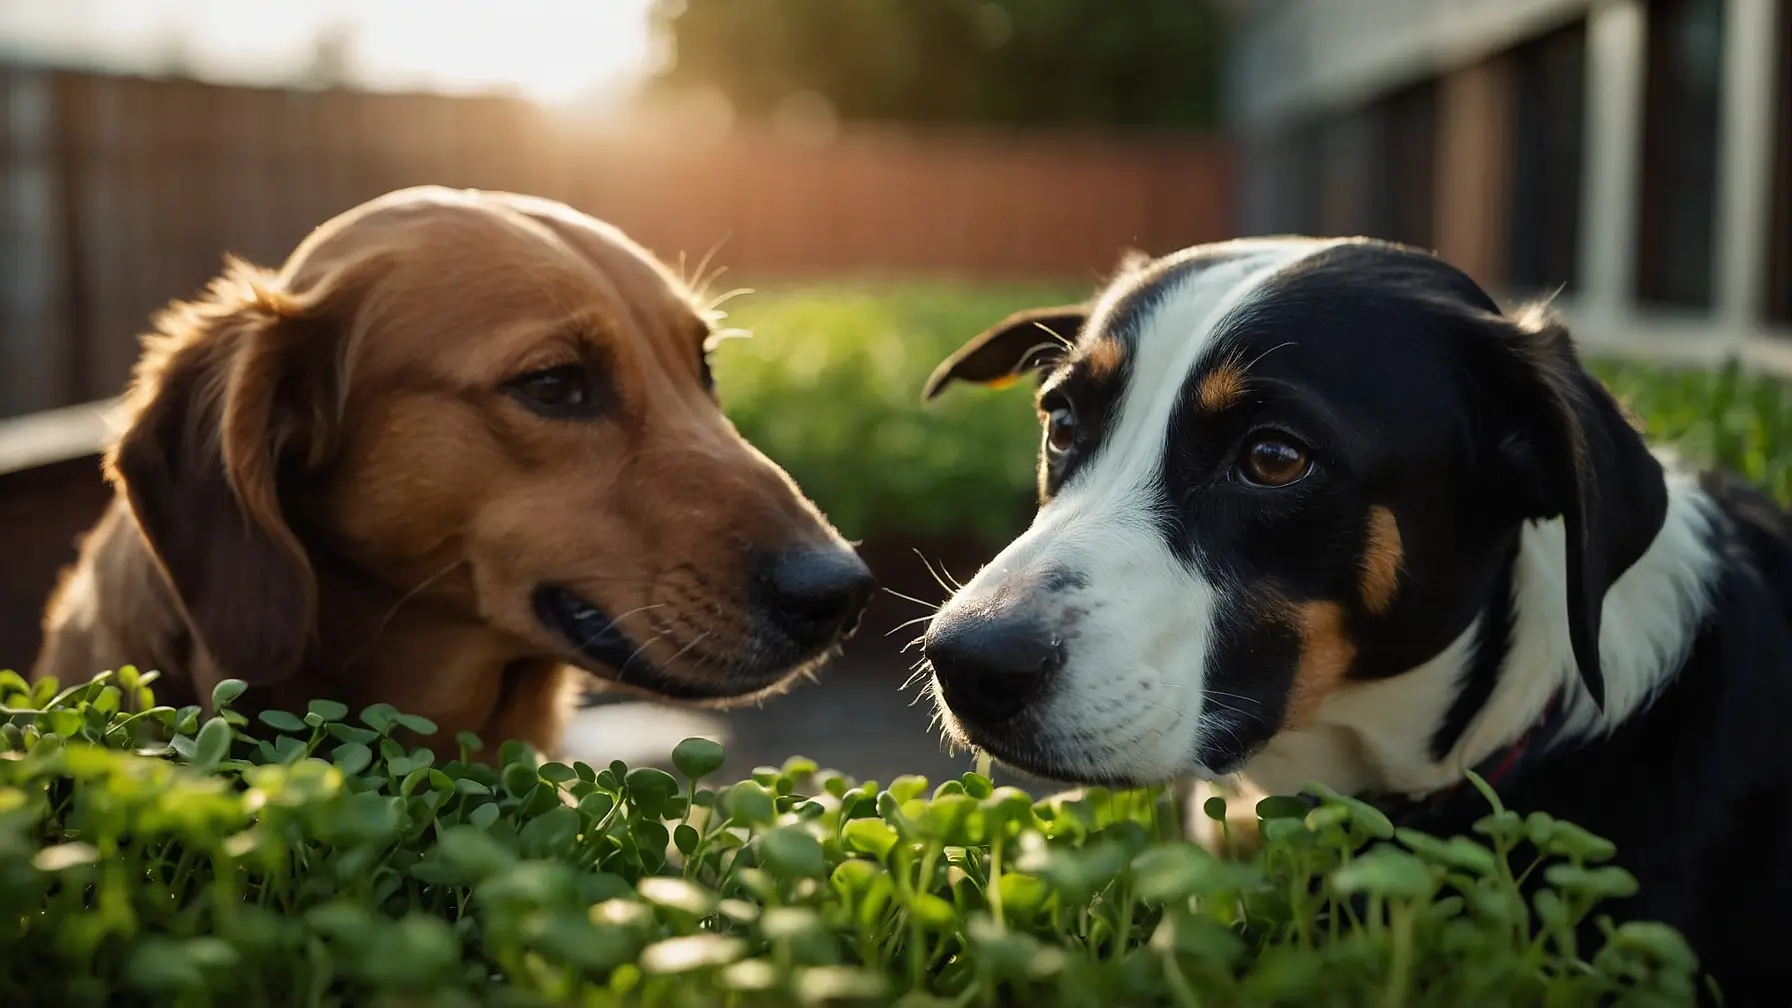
[
  {"x": 1147, "y": 63},
  {"x": 1727, "y": 416},
  {"x": 830, "y": 388}
]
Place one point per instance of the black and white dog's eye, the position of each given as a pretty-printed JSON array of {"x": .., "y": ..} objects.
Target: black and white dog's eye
[
  {"x": 1273, "y": 461},
  {"x": 565, "y": 392},
  {"x": 1060, "y": 425}
]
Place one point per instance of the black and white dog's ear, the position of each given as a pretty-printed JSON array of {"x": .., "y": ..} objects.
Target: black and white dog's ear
[
  {"x": 1577, "y": 454},
  {"x": 1032, "y": 340}
]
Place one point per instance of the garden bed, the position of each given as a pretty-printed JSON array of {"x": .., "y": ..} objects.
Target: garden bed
[{"x": 319, "y": 858}]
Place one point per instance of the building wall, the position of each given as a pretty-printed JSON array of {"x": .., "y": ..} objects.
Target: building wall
[
  {"x": 1294, "y": 57},
  {"x": 1656, "y": 223}
]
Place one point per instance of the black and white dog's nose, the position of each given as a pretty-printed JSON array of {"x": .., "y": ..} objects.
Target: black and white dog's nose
[{"x": 990, "y": 668}]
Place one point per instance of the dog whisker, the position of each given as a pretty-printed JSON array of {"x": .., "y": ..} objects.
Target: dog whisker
[
  {"x": 693, "y": 642},
  {"x": 386, "y": 620},
  {"x": 921, "y": 678},
  {"x": 1035, "y": 348},
  {"x": 713, "y": 314},
  {"x": 1069, "y": 344},
  {"x": 1206, "y": 690},
  {"x": 945, "y": 581},
  {"x": 714, "y": 304},
  {"x": 1226, "y": 724},
  {"x": 698, "y": 282},
  {"x": 956, "y": 584},
  {"x": 1232, "y": 696},
  {"x": 905, "y": 624},
  {"x": 1259, "y": 358},
  {"x": 706, "y": 281},
  {"x": 607, "y": 627},
  {"x": 1228, "y": 708},
  {"x": 407, "y": 596},
  {"x": 622, "y": 670},
  {"x": 933, "y": 573},
  {"x": 931, "y": 607},
  {"x": 633, "y": 582},
  {"x": 1237, "y": 742}
]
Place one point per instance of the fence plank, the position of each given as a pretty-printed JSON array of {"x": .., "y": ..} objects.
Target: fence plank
[{"x": 151, "y": 181}]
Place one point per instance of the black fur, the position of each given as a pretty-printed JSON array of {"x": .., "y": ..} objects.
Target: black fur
[
  {"x": 1492, "y": 644},
  {"x": 1696, "y": 790}
]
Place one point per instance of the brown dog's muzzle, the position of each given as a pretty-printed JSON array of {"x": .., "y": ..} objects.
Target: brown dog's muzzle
[
  {"x": 799, "y": 605},
  {"x": 747, "y": 585}
]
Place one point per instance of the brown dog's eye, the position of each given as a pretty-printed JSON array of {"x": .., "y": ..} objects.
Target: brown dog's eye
[
  {"x": 560, "y": 392},
  {"x": 1060, "y": 424},
  {"x": 1274, "y": 462}
]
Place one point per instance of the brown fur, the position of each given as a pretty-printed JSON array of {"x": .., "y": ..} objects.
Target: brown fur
[
  {"x": 1105, "y": 358},
  {"x": 1326, "y": 652},
  {"x": 323, "y": 489},
  {"x": 1220, "y": 387},
  {"x": 1381, "y": 560}
]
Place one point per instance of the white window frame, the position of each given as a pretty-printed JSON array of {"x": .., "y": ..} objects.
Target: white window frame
[{"x": 1605, "y": 313}]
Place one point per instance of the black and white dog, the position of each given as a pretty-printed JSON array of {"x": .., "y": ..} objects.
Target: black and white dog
[{"x": 1317, "y": 510}]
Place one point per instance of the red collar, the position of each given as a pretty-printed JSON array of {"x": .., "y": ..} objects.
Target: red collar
[{"x": 1501, "y": 766}]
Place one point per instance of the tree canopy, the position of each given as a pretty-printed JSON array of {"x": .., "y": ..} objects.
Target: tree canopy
[{"x": 1125, "y": 63}]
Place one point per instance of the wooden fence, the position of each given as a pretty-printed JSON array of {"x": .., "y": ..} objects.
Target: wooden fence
[{"x": 117, "y": 194}]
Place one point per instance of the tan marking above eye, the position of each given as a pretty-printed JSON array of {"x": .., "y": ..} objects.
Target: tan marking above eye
[
  {"x": 1326, "y": 653},
  {"x": 1381, "y": 560},
  {"x": 1220, "y": 387},
  {"x": 1105, "y": 358}
]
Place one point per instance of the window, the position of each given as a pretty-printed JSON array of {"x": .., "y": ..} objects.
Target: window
[
  {"x": 1403, "y": 175},
  {"x": 1294, "y": 171},
  {"x": 1676, "y": 239},
  {"x": 1348, "y": 165},
  {"x": 1363, "y": 170},
  {"x": 1779, "y": 258},
  {"x": 1549, "y": 86}
]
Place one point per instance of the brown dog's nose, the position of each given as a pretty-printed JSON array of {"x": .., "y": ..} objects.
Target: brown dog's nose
[{"x": 819, "y": 594}]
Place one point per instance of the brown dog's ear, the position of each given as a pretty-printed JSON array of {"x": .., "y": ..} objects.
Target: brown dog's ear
[
  {"x": 1581, "y": 458},
  {"x": 1030, "y": 340},
  {"x": 216, "y": 404}
]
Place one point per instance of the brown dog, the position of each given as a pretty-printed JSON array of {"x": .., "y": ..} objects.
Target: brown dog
[{"x": 460, "y": 440}]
